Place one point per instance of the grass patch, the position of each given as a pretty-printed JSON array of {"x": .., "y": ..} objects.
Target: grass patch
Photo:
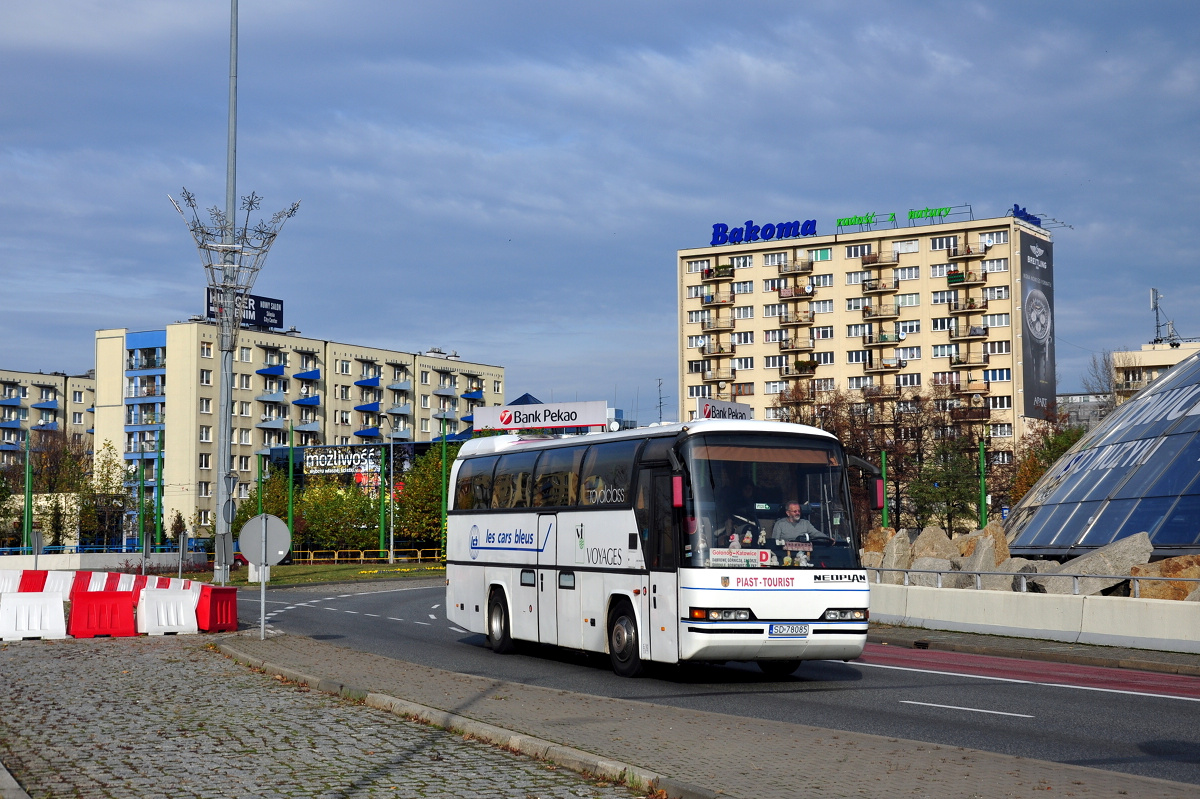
[{"x": 299, "y": 574}]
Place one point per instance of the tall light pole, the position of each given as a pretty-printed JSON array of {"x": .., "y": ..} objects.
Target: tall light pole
[{"x": 391, "y": 488}]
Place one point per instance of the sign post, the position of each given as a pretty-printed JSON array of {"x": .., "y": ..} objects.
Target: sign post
[{"x": 274, "y": 541}]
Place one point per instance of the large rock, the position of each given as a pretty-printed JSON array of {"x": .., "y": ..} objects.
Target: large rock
[
  {"x": 983, "y": 559},
  {"x": 934, "y": 543},
  {"x": 896, "y": 555},
  {"x": 1182, "y": 566},
  {"x": 931, "y": 580},
  {"x": 995, "y": 531},
  {"x": 871, "y": 560},
  {"x": 1194, "y": 596},
  {"x": 1116, "y": 558},
  {"x": 876, "y": 538},
  {"x": 1003, "y": 582},
  {"x": 966, "y": 543}
]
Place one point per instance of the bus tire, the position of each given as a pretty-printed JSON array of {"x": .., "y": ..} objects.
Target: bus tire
[
  {"x": 623, "y": 643},
  {"x": 499, "y": 631},
  {"x": 778, "y": 668}
]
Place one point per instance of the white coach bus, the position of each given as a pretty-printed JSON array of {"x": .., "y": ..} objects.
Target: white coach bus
[{"x": 706, "y": 541}]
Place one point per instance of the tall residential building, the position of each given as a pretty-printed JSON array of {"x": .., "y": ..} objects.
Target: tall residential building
[
  {"x": 39, "y": 401},
  {"x": 165, "y": 383},
  {"x": 776, "y": 314},
  {"x": 1133, "y": 370}
]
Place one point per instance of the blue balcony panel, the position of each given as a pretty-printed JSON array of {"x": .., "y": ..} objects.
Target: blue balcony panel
[
  {"x": 272, "y": 424},
  {"x": 469, "y": 418},
  {"x": 311, "y": 374},
  {"x": 369, "y": 432},
  {"x": 50, "y": 405},
  {"x": 51, "y": 427},
  {"x": 370, "y": 382},
  {"x": 401, "y": 410},
  {"x": 276, "y": 396},
  {"x": 11, "y": 402},
  {"x": 401, "y": 435},
  {"x": 8, "y": 446},
  {"x": 403, "y": 385},
  {"x": 141, "y": 428},
  {"x": 314, "y": 400},
  {"x": 447, "y": 415},
  {"x": 370, "y": 407},
  {"x": 90, "y": 431},
  {"x": 90, "y": 410},
  {"x": 309, "y": 427},
  {"x": 149, "y": 371},
  {"x": 271, "y": 371},
  {"x": 445, "y": 391},
  {"x": 473, "y": 395},
  {"x": 12, "y": 424}
]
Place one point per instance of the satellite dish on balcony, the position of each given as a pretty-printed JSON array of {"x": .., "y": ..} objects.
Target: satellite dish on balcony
[
  {"x": 902, "y": 335},
  {"x": 808, "y": 289},
  {"x": 721, "y": 385}
]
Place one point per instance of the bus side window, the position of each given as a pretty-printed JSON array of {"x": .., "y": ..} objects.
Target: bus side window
[
  {"x": 664, "y": 521},
  {"x": 513, "y": 480},
  {"x": 473, "y": 490},
  {"x": 607, "y": 473},
  {"x": 556, "y": 481}
]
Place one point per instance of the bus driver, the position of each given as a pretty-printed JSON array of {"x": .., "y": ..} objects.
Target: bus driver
[{"x": 794, "y": 527}]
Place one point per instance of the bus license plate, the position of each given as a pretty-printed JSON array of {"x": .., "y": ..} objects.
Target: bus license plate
[{"x": 789, "y": 629}]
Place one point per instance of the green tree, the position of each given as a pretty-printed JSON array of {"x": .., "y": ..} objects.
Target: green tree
[
  {"x": 338, "y": 516},
  {"x": 946, "y": 488},
  {"x": 419, "y": 513},
  {"x": 178, "y": 528},
  {"x": 275, "y": 500}
]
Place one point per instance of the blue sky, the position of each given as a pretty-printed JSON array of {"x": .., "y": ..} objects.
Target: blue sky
[{"x": 512, "y": 180}]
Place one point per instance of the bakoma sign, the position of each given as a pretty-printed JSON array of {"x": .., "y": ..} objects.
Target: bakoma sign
[
  {"x": 723, "y": 234},
  {"x": 551, "y": 414}
]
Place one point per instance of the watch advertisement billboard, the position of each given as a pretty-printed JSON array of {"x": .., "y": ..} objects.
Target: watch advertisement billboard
[{"x": 1037, "y": 325}]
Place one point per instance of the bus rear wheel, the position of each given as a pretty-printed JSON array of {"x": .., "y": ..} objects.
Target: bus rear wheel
[
  {"x": 623, "y": 645},
  {"x": 778, "y": 668},
  {"x": 499, "y": 632}
]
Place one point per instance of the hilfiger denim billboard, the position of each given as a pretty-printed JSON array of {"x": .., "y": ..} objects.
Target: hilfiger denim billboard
[{"x": 549, "y": 414}]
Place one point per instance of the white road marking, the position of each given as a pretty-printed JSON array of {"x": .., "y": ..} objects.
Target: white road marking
[
  {"x": 457, "y": 630},
  {"x": 372, "y": 615},
  {"x": 343, "y": 596},
  {"x": 393, "y": 618},
  {"x": 972, "y": 709},
  {"x": 1031, "y": 682},
  {"x": 330, "y": 608},
  {"x": 355, "y": 612},
  {"x": 328, "y": 599},
  {"x": 434, "y": 607},
  {"x": 422, "y": 622},
  {"x": 433, "y": 617}
]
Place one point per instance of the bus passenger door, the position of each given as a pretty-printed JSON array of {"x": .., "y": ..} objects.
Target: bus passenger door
[
  {"x": 657, "y": 522},
  {"x": 547, "y": 579}
]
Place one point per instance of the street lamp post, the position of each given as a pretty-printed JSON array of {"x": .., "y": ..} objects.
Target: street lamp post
[{"x": 391, "y": 488}]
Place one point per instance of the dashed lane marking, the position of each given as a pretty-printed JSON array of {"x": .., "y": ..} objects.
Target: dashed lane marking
[
  {"x": 393, "y": 618},
  {"x": 434, "y": 607},
  {"x": 372, "y": 615},
  {"x": 457, "y": 630},
  {"x": 971, "y": 709},
  {"x": 433, "y": 617},
  {"x": 422, "y": 622}
]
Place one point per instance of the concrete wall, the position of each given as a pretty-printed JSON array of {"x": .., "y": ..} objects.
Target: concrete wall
[{"x": 1159, "y": 624}]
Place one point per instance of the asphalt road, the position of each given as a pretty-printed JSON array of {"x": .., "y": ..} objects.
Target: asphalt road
[{"x": 1102, "y": 718}]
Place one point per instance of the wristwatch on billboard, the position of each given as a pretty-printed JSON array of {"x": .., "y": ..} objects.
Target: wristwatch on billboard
[{"x": 1039, "y": 322}]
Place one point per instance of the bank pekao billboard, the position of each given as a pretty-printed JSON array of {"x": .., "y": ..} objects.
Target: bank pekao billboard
[
  {"x": 1037, "y": 324},
  {"x": 549, "y": 414},
  {"x": 716, "y": 409}
]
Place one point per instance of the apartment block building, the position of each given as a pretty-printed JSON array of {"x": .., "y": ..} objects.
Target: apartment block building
[
  {"x": 38, "y": 401},
  {"x": 164, "y": 385},
  {"x": 777, "y": 314}
]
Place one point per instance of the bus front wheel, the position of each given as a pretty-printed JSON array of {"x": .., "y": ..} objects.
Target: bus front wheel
[
  {"x": 623, "y": 645},
  {"x": 499, "y": 632}
]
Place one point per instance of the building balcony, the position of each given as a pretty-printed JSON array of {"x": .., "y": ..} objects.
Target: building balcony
[
  {"x": 140, "y": 364},
  {"x": 274, "y": 396},
  {"x": 718, "y": 298},
  {"x": 273, "y": 424},
  {"x": 798, "y": 369},
  {"x": 11, "y": 424},
  {"x": 970, "y": 414},
  {"x": 882, "y": 311},
  {"x": 401, "y": 410},
  {"x": 309, "y": 402},
  {"x": 400, "y": 435},
  {"x": 967, "y": 306},
  {"x": 49, "y": 405},
  {"x": 795, "y": 318},
  {"x": 445, "y": 391},
  {"x": 10, "y": 402},
  {"x": 966, "y": 252},
  {"x": 401, "y": 385},
  {"x": 882, "y": 285},
  {"x": 801, "y": 266},
  {"x": 367, "y": 407},
  {"x": 717, "y": 273},
  {"x": 449, "y": 416},
  {"x": 877, "y": 366},
  {"x": 968, "y": 333},
  {"x": 1129, "y": 386},
  {"x": 368, "y": 382},
  {"x": 477, "y": 394},
  {"x": 713, "y": 375},
  {"x": 311, "y": 374},
  {"x": 717, "y": 324},
  {"x": 797, "y": 292},
  {"x": 798, "y": 344},
  {"x": 881, "y": 393},
  {"x": 881, "y": 339},
  {"x": 368, "y": 432},
  {"x": 971, "y": 387},
  {"x": 144, "y": 392},
  {"x": 875, "y": 260},
  {"x": 966, "y": 279},
  {"x": 145, "y": 418},
  {"x": 718, "y": 348},
  {"x": 308, "y": 427},
  {"x": 970, "y": 360},
  {"x": 270, "y": 370}
]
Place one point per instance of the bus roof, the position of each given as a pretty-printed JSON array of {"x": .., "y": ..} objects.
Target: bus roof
[{"x": 492, "y": 444}]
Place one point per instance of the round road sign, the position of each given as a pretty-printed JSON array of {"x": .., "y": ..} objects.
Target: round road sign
[{"x": 279, "y": 539}]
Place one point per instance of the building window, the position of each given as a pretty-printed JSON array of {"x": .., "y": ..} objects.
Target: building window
[
  {"x": 204, "y": 517},
  {"x": 772, "y": 284},
  {"x": 996, "y": 320},
  {"x": 907, "y": 300},
  {"x": 424, "y": 400},
  {"x": 909, "y": 326},
  {"x": 856, "y": 278},
  {"x": 245, "y": 439},
  {"x": 743, "y": 389},
  {"x": 695, "y": 292},
  {"x": 495, "y": 386},
  {"x": 945, "y": 297},
  {"x": 205, "y": 349},
  {"x": 939, "y": 270},
  {"x": 206, "y": 433},
  {"x": 1000, "y": 403},
  {"x": 997, "y": 375},
  {"x": 943, "y": 243},
  {"x": 940, "y": 323},
  {"x": 205, "y": 460},
  {"x": 743, "y": 287},
  {"x": 243, "y": 491},
  {"x": 697, "y": 266},
  {"x": 858, "y": 250},
  {"x": 822, "y": 281},
  {"x": 204, "y": 489},
  {"x": 825, "y": 254},
  {"x": 859, "y": 383},
  {"x": 206, "y": 377},
  {"x": 205, "y": 405},
  {"x": 244, "y": 382},
  {"x": 823, "y": 357},
  {"x": 856, "y": 303},
  {"x": 744, "y": 338},
  {"x": 243, "y": 463},
  {"x": 697, "y": 367},
  {"x": 245, "y": 408},
  {"x": 908, "y": 381},
  {"x": 992, "y": 238},
  {"x": 995, "y": 265},
  {"x": 996, "y": 293},
  {"x": 1002, "y": 456},
  {"x": 343, "y": 392},
  {"x": 999, "y": 347},
  {"x": 699, "y": 391},
  {"x": 773, "y": 310},
  {"x": 908, "y": 353},
  {"x": 856, "y": 331},
  {"x": 773, "y": 336},
  {"x": 742, "y": 261},
  {"x": 824, "y": 331},
  {"x": 696, "y": 317},
  {"x": 906, "y": 246},
  {"x": 945, "y": 350},
  {"x": 821, "y": 306},
  {"x": 76, "y": 396},
  {"x": 824, "y": 384},
  {"x": 775, "y": 387},
  {"x": 244, "y": 354},
  {"x": 424, "y": 378},
  {"x": 775, "y": 259},
  {"x": 774, "y": 361},
  {"x": 857, "y": 356},
  {"x": 1003, "y": 430},
  {"x": 908, "y": 273},
  {"x": 77, "y": 418},
  {"x": 743, "y": 312},
  {"x": 740, "y": 364},
  {"x": 696, "y": 341}
]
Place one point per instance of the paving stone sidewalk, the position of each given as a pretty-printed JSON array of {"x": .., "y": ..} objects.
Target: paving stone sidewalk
[
  {"x": 170, "y": 717},
  {"x": 742, "y": 757}
]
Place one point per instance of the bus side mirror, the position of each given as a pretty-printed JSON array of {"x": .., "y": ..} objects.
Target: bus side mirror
[
  {"x": 877, "y": 498},
  {"x": 677, "y": 491}
]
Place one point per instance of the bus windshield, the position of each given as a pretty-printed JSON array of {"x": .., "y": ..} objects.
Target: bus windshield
[{"x": 767, "y": 501}]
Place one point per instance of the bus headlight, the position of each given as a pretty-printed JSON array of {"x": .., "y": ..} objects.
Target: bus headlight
[
  {"x": 846, "y": 614},
  {"x": 719, "y": 614}
]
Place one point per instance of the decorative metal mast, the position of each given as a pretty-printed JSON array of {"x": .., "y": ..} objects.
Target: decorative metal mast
[{"x": 232, "y": 256}]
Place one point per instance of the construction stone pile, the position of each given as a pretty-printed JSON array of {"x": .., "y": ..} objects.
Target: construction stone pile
[{"x": 986, "y": 550}]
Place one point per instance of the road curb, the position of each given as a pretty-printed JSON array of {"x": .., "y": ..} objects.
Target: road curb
[
  {"x": 568, "y": 757},
  {"x": 1034, "y": 654},
  {"x": 9, "y": 787}
]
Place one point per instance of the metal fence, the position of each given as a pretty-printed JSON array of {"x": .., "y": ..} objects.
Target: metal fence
[
  {"x": 1024, "y": 577},
  {"x": 334, "y": 556}
]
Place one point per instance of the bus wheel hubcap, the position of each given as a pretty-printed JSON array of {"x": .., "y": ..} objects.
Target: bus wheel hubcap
[{"x": 622, "y": 637}]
